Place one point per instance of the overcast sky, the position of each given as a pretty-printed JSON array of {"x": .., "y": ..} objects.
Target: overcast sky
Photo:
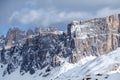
[{"x": 28, "y": 13}]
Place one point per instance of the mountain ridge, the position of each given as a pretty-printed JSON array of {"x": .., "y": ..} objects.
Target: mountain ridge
[{"x": 48, "y": 48}]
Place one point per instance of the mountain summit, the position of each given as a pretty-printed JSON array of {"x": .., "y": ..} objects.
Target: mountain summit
[{"x": 49, "y": 54}]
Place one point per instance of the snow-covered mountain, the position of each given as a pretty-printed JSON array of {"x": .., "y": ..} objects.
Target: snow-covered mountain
[
  {"x": 105, "y": 67},
  {"x": 86, "y": 50}
]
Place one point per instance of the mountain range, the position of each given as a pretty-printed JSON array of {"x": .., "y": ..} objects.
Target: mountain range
[{"x": 86, "y": 50}]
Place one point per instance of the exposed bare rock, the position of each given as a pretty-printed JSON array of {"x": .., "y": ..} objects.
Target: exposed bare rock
[
  {"x": 30, "y": 32},
  {"x": 34, "y": 50},
  {"x": 56, "y": 61},
  {"x": 96, "y": 36},
  {"x": 13, "y": 36},
  {"x": 114, "y": 22}
]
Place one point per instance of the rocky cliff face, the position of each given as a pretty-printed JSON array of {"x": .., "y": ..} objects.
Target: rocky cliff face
[
  {"x": 96, "y": 36},
  {"x": 48, "y": 47},
  {"x": 14, "y": 35}
]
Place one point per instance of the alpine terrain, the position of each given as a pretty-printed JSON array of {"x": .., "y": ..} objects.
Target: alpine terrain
[{"x": 86, "y": 50}]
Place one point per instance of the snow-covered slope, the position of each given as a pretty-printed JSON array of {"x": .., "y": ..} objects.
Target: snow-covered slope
[
  {"x": 103, "y": 67},
  {"x": 48, "y": 54},
  {"x": 42, "y": 74}
]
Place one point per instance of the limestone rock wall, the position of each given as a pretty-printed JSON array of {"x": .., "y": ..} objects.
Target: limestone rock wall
[{"x": 94, "y": 37}]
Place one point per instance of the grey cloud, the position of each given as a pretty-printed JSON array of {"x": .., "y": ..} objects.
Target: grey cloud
[
  {"x": 45, "y": 17},
  {"x": 85, "y": 5},
  {"x": 16, "y": 9},
  {"x": 7, "y": 7},
  {"x": 107, "y": 11},
  {"x": 50, "y": 16}
]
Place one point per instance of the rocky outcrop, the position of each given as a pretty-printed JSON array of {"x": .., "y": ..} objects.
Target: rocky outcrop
[
  {"x": 114, "y": 22},
  {"x": 56, "y": 61},
  {"x": 13, "y": 36},
  {"x": 2, "y": 41},
  {"x": 35, "y": 50},
  {"x": 95, "y": 37},
  {"x": 29, "y": 32}
]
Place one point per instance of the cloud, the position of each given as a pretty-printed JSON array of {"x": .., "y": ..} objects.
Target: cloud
[
  {"x": 66, "y": 6},
  {"x": 107, "y": 11},
  {"x": 46, "y": 12},
  {"x": 51, "y": 11},
  {"x": 45, "y": 17},
  {"x": 25, "y": 16}
]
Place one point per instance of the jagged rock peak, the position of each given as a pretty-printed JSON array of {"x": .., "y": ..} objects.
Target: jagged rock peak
[
  {"x": 49, "y": 47},
  {"x": 114, "y": 21},
  {"x": 13, "y": 36}
]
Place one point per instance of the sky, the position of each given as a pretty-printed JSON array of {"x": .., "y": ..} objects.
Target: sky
[{"x": 44, "y": 13}]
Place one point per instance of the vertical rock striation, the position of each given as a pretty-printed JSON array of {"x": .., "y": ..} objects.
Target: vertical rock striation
[{"x": 96, "y": 36}]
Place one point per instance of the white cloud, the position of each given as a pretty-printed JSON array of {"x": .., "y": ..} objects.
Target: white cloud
[
  {"x": 107, "y": 11},
  {"x": 51, "y": 16},
  {"x": 25, "y": 16},
  {"x": 45, "y": 17}
]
